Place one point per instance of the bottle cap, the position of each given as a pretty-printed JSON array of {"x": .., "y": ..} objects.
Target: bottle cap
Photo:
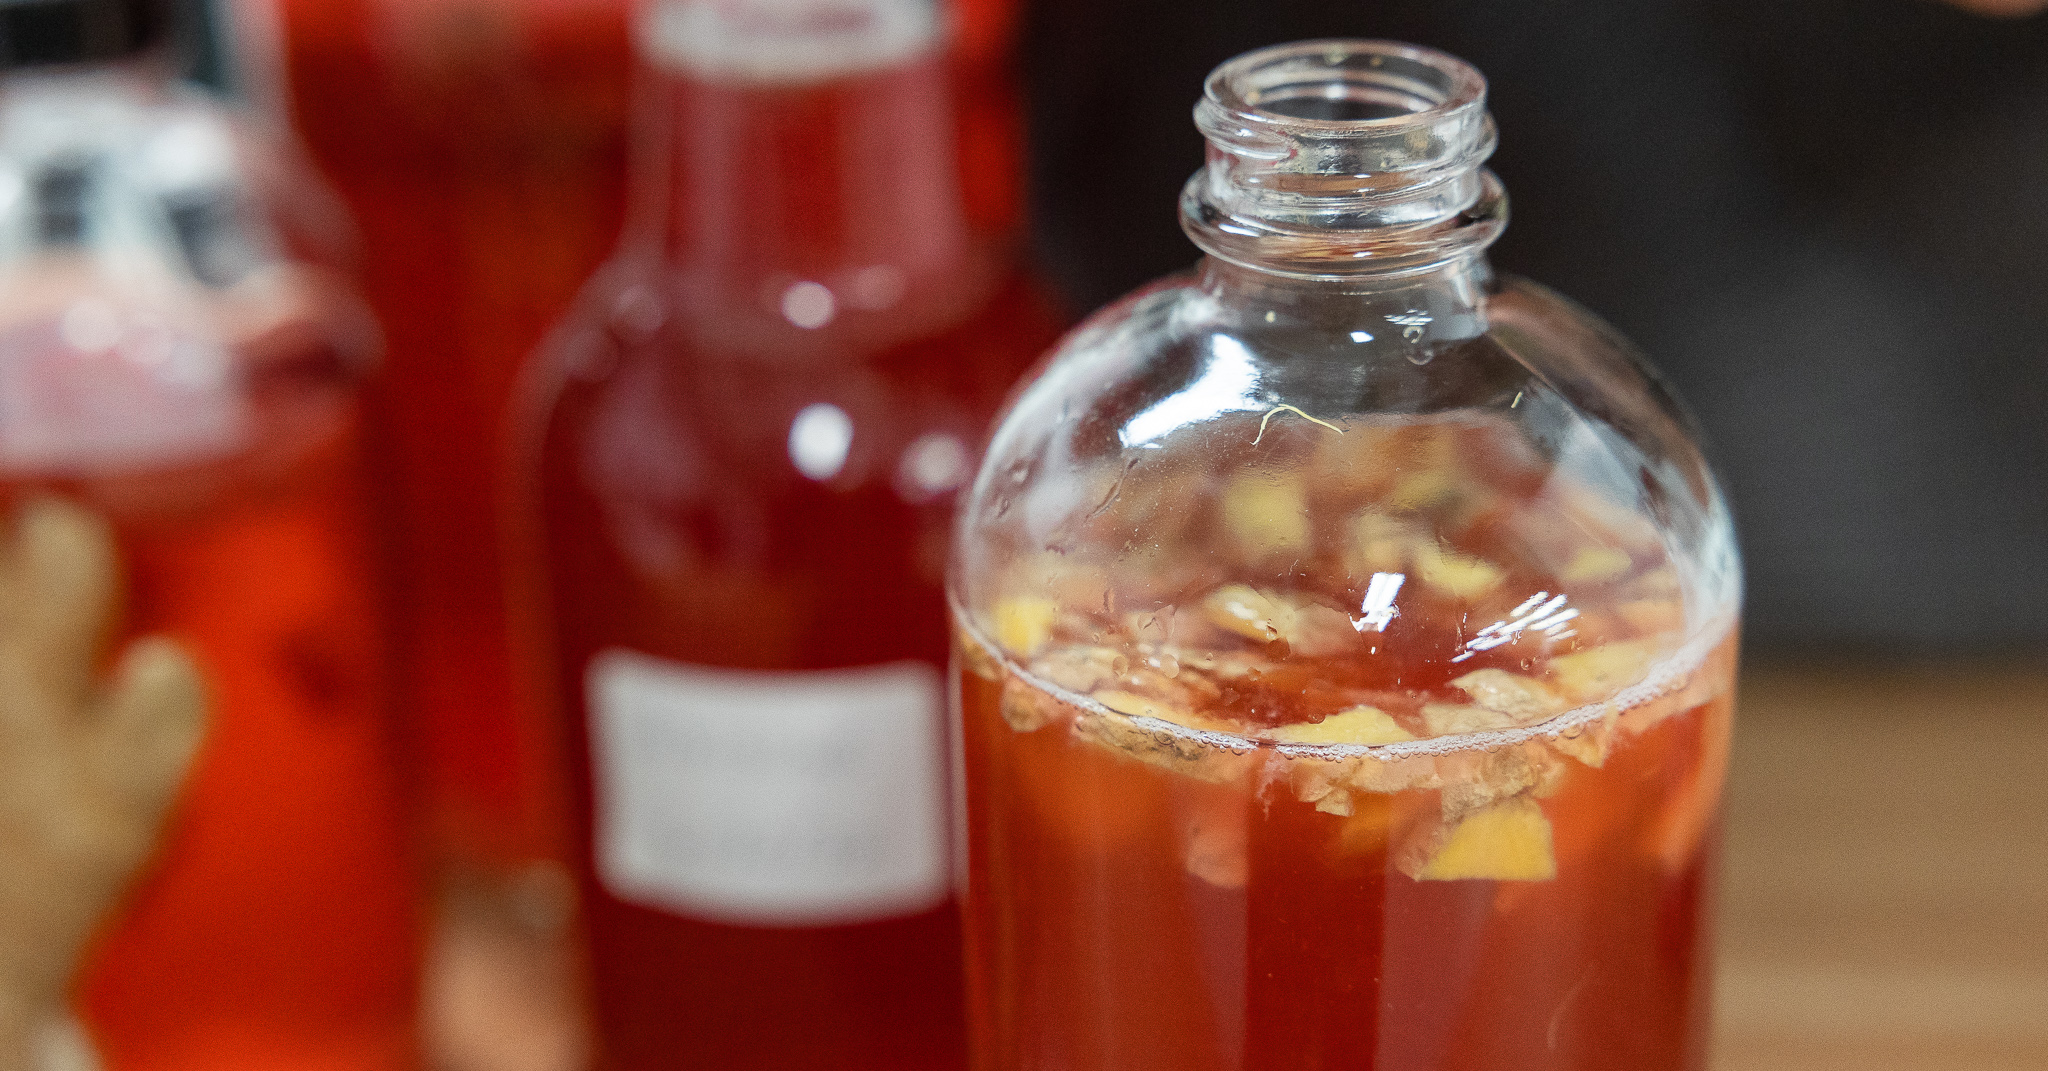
[{"x": 36, "y": 33}]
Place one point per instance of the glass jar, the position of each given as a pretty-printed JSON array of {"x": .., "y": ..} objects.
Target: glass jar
[
  {"x": 201, "y": 790},
  {"x": 1344, "y": 635}
]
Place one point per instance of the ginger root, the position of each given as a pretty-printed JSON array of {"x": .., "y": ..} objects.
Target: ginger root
[{"x": 90, "y": 760}]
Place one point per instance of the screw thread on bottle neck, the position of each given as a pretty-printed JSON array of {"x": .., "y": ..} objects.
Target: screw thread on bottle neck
[{"x": 1344, "y": 158}]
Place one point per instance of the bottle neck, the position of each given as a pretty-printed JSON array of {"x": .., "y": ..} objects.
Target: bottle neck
[
  {"x": 1345, "y": 161},
  {"x": 828, "y": 160}
]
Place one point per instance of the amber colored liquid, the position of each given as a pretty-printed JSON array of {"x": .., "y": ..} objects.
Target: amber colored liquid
[
  {"x": 1182, "y": 856},
  {"x": 1092, "y": 945},
  {"x": 481, "y": 149},
  {"x": 276, "y": 926}
]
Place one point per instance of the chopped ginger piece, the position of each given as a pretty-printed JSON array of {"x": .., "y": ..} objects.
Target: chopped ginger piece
[
  {"x": 1216, "y": 849},
  {"x": 1023, "y": 624},
  {"x": 1509, "y": 841},
  {"x": 1137, "y": 706},
  {"x": 1450, "y": 719},
  {"x": 1266, "y": 514},
  {"x": 1460, "y": 576},
  {"x": 1337, "y": 803},
  {"x": 1383, "y": 542},
  {"x": 1211, "y": 756},
  {"x": 1250, "y": 613},
  {"x": 1025, "y": 708},
  {"x": 1525, "y": 699},
  {"x": 1658, "y": 583},
  {"x": 1596, "y": 565},
  {"x": 1589, "y": 743},
  {"x": 1653, "y": 615},
  {"x": 1421, "y": 490},
  {"x": 1359, "y": 725},
  {"x": 1601, "y": 671}
]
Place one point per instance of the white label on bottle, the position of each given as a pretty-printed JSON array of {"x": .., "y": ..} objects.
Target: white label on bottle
[
  {"x": 785, "y": 40},
  {"x": 768, "y": 799}
]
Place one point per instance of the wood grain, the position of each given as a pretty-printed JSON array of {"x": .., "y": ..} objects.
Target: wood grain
[{"x": 1885, "y": 902}]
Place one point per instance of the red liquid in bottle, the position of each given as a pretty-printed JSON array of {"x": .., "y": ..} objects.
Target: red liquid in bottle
[
  {"x": 480, "y": 147},
  {"x": 754, "y": 429},
  {"x": 275, "y": 923},
  {"x": 278, "y": 926}
]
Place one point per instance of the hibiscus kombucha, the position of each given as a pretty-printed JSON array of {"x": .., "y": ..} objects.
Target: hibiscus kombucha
[
  {"x": 481, "y": 150},
  {"x": 749, "y": 438}
]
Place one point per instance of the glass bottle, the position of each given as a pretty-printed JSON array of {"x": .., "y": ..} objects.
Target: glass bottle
[
  {"x": 744, "y": 450},
  {"x": 1345, "y": 635},
  {"x": 184, "y": 542},
  {"x": 480, "y": 145}
]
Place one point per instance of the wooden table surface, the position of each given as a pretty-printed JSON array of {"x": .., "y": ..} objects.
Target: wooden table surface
[
  {"x": 1884, "y": 904},
  {"x": 1885, "y": 895}
]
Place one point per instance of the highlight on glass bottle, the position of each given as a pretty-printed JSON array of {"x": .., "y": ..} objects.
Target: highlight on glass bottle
[{"x": 1344, "y": 635}]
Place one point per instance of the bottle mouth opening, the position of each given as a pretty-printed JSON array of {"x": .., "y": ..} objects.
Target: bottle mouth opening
[{"x": 1334, "y": 86}]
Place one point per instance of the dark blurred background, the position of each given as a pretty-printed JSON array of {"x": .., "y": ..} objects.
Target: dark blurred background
[{"x": 1824, "y": 221}]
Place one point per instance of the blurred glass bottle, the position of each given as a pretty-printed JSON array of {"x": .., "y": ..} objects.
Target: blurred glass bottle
[
  {"x": 480, "y": 146},
  {"x": 175, "y": 367},
  {"x": 742, "y": 457}
]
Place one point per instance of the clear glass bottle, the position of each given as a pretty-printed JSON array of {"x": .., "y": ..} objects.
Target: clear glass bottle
[
  {"x": 1345, "y": 635},
  {"x": 744, "y": 450},
  {"x": 184, "y": 540}
]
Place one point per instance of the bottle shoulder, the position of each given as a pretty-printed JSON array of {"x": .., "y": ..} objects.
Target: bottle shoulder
[
  {"x": 683, "y": 378},
  {"x": 1403, "y": 480}
]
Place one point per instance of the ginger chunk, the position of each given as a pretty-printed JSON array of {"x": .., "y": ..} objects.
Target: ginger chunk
[
  {"x": 1525, "y": 699},
  {"x": 1024, "y": 624},
  {"x": 1509, "y": 841},
  {"x": 1265, "y": 514},
  {"x": 1461, "y": 576},
  {"x": 1359, "y": 725}
]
